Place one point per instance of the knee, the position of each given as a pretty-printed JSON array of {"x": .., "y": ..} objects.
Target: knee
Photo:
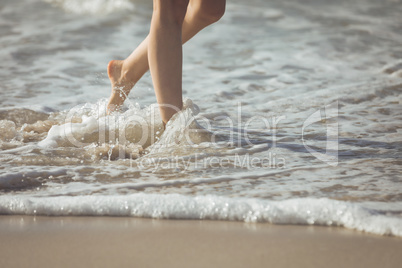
[
  {"x": 211, "y": 11},
  {"x": 172, "y": 11}
]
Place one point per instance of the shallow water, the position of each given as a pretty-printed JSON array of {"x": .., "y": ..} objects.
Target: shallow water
[{"x": 292, "y": 115}]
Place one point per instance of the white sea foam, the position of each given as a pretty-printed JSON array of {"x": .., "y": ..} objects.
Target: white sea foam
[
  {"x": 306, "y": 211},
  {"x": 7, "y": 130},
  {"x": 93, "y": 6},
  {"x": 87, "y": 124}
]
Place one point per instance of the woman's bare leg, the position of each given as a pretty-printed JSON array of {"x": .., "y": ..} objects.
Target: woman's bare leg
[
  {"x": 165, "y": 54},
  {"x": 126, "y": 73}
]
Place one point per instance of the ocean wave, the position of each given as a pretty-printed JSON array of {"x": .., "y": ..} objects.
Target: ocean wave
[{"x": 302, "y": 211}]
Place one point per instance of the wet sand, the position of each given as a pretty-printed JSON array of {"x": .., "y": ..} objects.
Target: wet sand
[{"x": 130, "y": 242}]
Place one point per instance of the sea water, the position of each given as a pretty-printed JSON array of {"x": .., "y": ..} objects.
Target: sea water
[{"x": 292, "y": 115}]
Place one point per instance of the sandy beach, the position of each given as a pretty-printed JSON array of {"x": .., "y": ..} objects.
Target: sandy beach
[{"x": 131, "y": 242}]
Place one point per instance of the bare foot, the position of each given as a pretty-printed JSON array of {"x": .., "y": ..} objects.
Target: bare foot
[{"x": 121, "y": 86}]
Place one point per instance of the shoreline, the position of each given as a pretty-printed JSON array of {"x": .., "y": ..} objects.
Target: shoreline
[{"x": 40, "y": 241}]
